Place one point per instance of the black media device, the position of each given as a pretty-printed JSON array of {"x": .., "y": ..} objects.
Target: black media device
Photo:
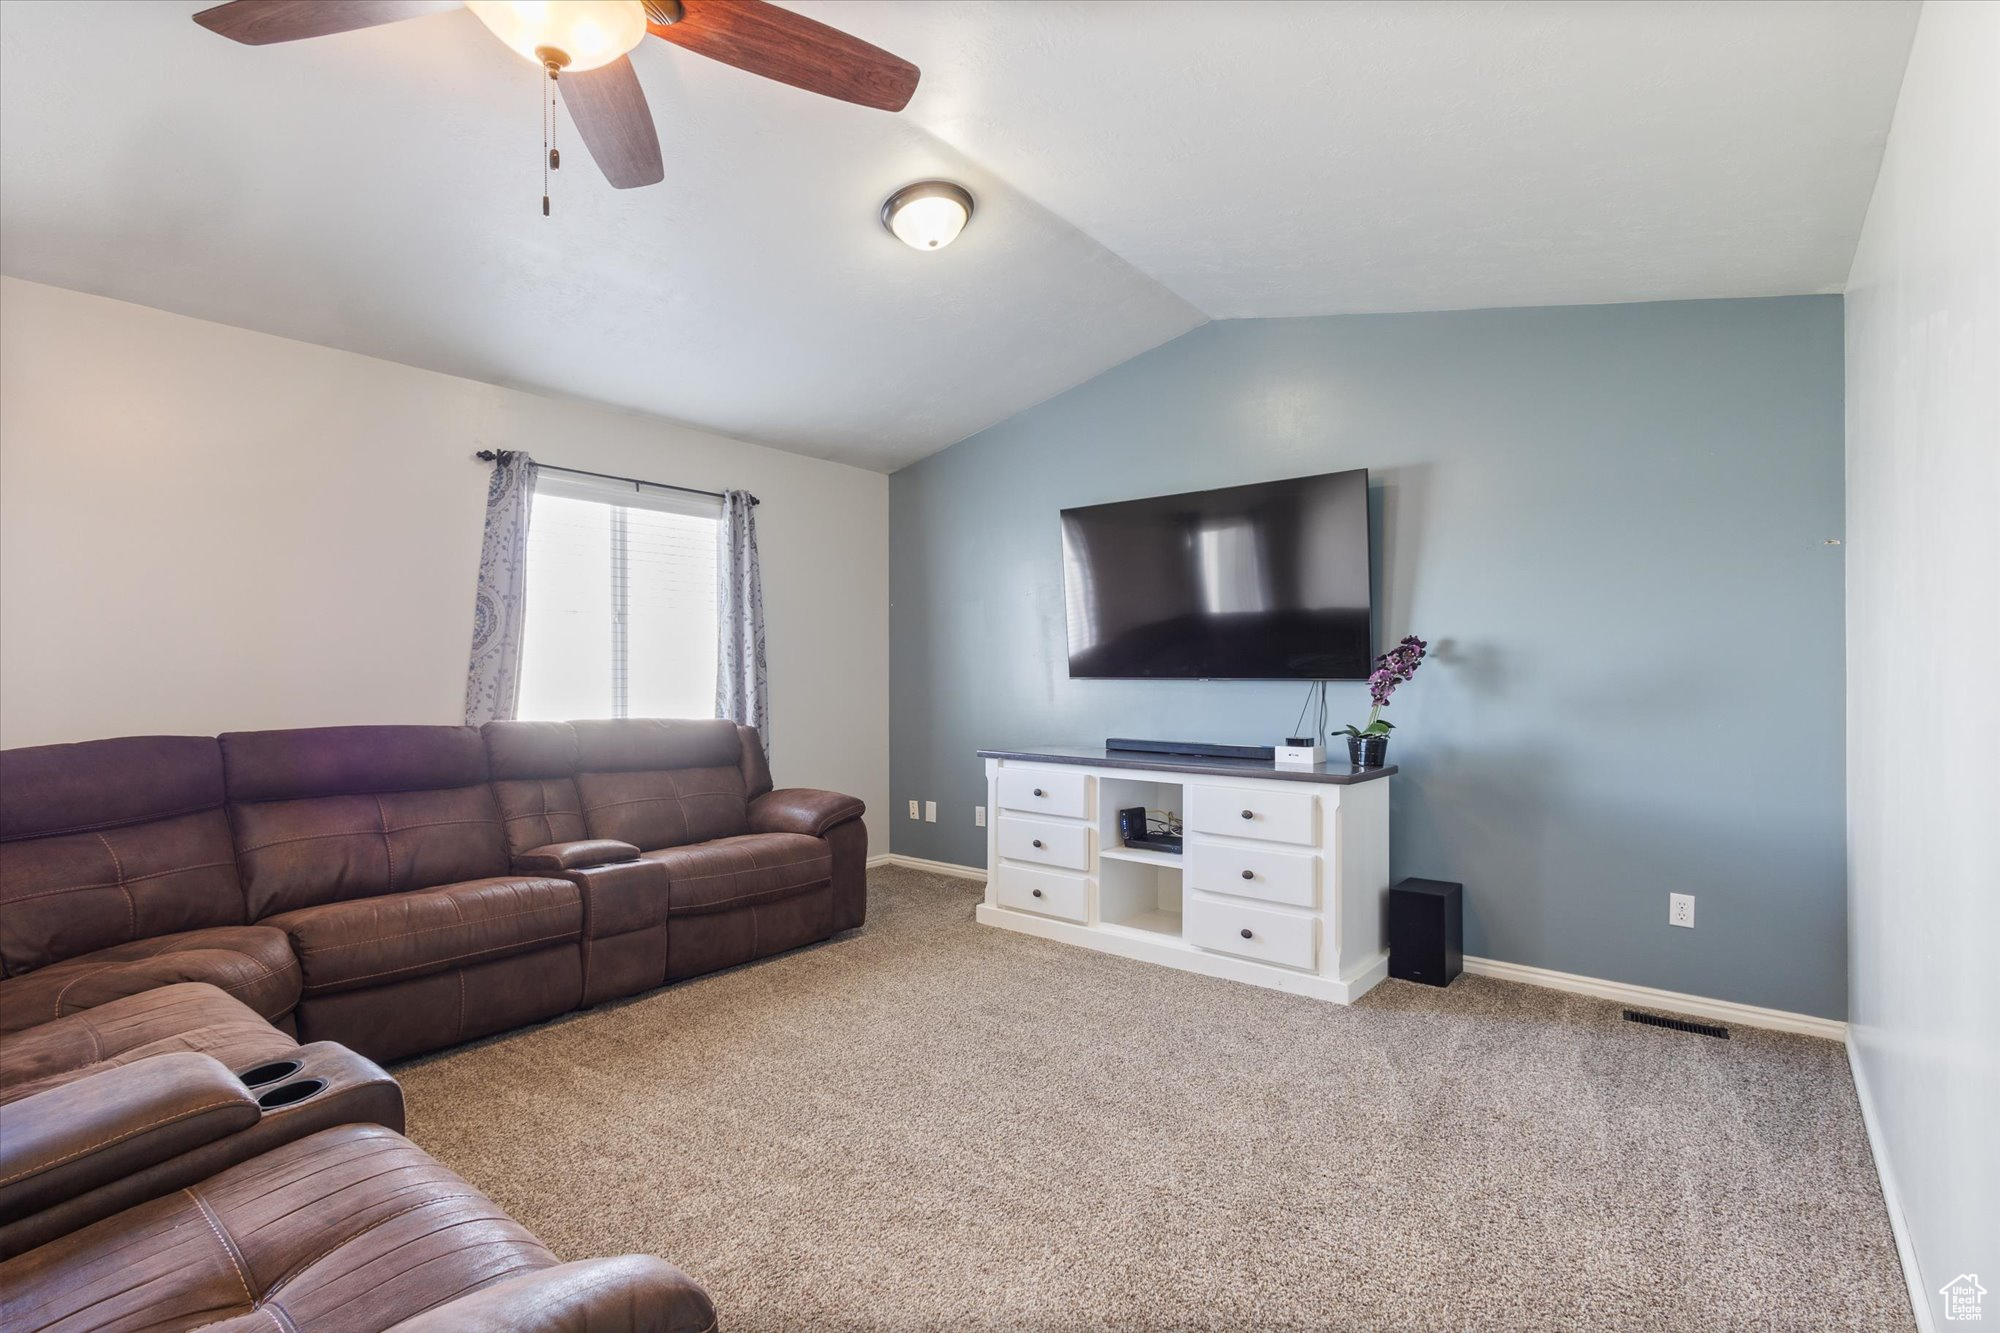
[
  {"x": 1426, "y": 931},
  {"x": 1262, "y": 582},
  {"x": 1135, "y": 830},
  {"x": 1203, "y": 749}
]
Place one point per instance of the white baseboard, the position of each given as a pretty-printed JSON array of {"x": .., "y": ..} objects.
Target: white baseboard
[
  {"x": 1646, "y": 997},
  {"x": 1913, "y": 1278},
  {"x": 1697, "y": 1006},
  {"x": 952, "y": 868}
]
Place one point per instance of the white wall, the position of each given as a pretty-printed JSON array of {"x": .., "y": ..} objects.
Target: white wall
[
  {"x": 205, "y": 529},
  {"x": 1923, "y": 646}
]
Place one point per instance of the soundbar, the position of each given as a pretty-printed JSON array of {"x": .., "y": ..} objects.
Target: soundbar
[{"x": 1205, "y": 749}]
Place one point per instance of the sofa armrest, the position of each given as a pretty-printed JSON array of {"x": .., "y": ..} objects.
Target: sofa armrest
[
  {"x": 802, "y": 810},
  {"x": 621, "y": 897},
  {"x": 628, "y": 1294},
  {"x": 557, "y": 857},
  {"x": 70, "y": 1139}
]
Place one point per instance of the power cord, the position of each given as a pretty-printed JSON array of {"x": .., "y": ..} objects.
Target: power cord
[{"x": 1314, "y": 690}]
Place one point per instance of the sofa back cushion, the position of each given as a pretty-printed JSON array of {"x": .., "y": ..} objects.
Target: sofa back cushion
[
  {"x": 534, "y": 779},
  {"x": 756, "y": 768},
  {"x": 326, "y": 814},
  {"x": 106, "y": 842},
  {"x": 661, "y": 782}
]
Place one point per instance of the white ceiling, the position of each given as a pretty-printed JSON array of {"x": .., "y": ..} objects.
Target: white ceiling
[{"x": 1139, "y": 167}]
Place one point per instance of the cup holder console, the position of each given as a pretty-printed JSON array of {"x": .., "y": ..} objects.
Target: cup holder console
[
  {"x": 290, "y": 1094},
  {"x": 270, "y": 1073}
]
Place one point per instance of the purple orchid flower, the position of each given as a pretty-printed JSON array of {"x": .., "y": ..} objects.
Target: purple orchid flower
[{"x": 1392, "y": 669}]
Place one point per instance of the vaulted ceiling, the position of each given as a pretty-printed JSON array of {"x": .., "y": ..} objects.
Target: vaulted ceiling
[{"x": 1140, "y": 166}]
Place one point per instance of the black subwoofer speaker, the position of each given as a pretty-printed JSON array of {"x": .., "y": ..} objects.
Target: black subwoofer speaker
[{"x": 1426, "y": 931}]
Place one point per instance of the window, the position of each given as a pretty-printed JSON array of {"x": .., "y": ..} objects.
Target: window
[{"x": 621, "y": 602}]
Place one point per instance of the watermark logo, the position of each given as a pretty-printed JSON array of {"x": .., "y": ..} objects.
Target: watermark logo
[{"x": 1961, "y": 1297}]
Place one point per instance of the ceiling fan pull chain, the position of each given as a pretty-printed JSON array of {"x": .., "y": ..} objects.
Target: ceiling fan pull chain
[
  {"x": 551, "y": 157},
  {"x": 542, "y": 110}
]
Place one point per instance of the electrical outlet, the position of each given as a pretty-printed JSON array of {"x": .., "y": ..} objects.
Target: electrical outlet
[
  {"x": 930, "y": 813},
  {"x": 1680, "y": 910},
  {"x": 979, "y": 816},
  {"x": 913, "y": 810}
]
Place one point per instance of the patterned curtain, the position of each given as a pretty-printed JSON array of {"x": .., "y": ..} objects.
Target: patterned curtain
[
  {"x": 493, "y": 681},
  {"x": 742, "y": 690}
]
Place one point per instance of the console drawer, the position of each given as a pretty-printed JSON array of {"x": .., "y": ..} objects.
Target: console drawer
[
  {"x": 1045, "y": 791},
  {"x": 1044, "y": 840},
  {"x": 1245, "y": 870},
  {"x": 1251, "y": 812},
  {"x": 1258, "y": 933},
  {"x": 1048, "y": 892}
]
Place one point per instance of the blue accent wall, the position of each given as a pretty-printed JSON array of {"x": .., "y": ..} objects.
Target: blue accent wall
[{"x": 1609, "y": 521}]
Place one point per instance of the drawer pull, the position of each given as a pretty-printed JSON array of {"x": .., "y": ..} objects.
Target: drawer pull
[
  {"x": 1245, "y": 932},
  {"x": 1249, "y": 874},
  {"x": 1040, "y": 792},
  {"x": 1038, "y": 842},
  {"x": 1249, "y": 814},
  {"x": 1038, "y": 893}
]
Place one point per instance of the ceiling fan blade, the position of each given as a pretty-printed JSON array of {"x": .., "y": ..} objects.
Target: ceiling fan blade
[
  {"x": 261, "y": 22},
  {"x": 611, "y": 114},
  {"x": 779, "y": 44}
]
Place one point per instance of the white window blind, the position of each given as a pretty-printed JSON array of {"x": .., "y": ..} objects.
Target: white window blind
[{"x": 621, "y": 602}]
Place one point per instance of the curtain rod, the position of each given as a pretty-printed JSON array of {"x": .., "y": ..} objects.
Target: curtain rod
[{"x": 503, "y": 455}]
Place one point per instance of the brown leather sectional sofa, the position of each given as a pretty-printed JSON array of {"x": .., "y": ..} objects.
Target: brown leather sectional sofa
[
  {"x": 402, "y": 889},
  {"x": 205, "y": 944}
]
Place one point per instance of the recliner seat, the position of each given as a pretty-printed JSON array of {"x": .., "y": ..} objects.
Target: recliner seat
[
  {"x": 748, "y": 871},
  {"x": 378, "y": 851},
  {"x": 190, "y": 1017},
  {"x": 118, "y": 876},
  {"x": 352, "y": 1230}
]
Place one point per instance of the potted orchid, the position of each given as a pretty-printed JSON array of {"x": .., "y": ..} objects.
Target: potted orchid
[{"x": 1368, "y": 744}]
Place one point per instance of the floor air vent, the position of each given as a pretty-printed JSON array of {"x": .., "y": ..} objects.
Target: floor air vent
[{"x": 1678, "y": 1024}]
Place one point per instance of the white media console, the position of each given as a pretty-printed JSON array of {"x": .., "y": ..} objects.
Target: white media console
[{"x": 1281, "y": 882}]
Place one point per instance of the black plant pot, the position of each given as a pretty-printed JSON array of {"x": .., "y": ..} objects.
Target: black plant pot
[{"x": 1368, "y": 751}]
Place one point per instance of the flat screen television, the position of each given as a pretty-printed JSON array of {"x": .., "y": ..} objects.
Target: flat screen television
[{"x": 1262, "y": 582}]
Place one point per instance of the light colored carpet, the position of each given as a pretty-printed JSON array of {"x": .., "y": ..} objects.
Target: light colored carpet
[{"x": 931, "y": 1124}]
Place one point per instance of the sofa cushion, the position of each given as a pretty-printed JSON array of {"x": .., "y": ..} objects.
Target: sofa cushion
[
  {"x": 252, "y": 963},
  {"x": 298, "y": 854},
  {"x": 111, "y": 841},
  {"x": 329, "y": 814},
  {"x": 534, "y": 779},
  {"x": 349, "y": 761},
  {"x": 191, "y": 1016},
  {"x": 731, "y": 873},
  {"x": 372, "y": 941},
  {"x": 656, "y": 782},
  {"x": 351, "y": 1228},
  {"x": 755, "y": 763}
]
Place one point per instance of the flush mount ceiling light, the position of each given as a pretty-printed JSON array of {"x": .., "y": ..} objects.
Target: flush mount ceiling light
[{"x": 927, "y": 215}]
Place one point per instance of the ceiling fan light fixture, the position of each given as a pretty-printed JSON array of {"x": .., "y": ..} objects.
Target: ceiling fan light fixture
[
  {"x": 589, "y": 34},
  {"x": 927, "y": 215}
]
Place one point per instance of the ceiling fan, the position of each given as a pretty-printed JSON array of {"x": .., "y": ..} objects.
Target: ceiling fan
[{"x": 585, "y": 43}]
